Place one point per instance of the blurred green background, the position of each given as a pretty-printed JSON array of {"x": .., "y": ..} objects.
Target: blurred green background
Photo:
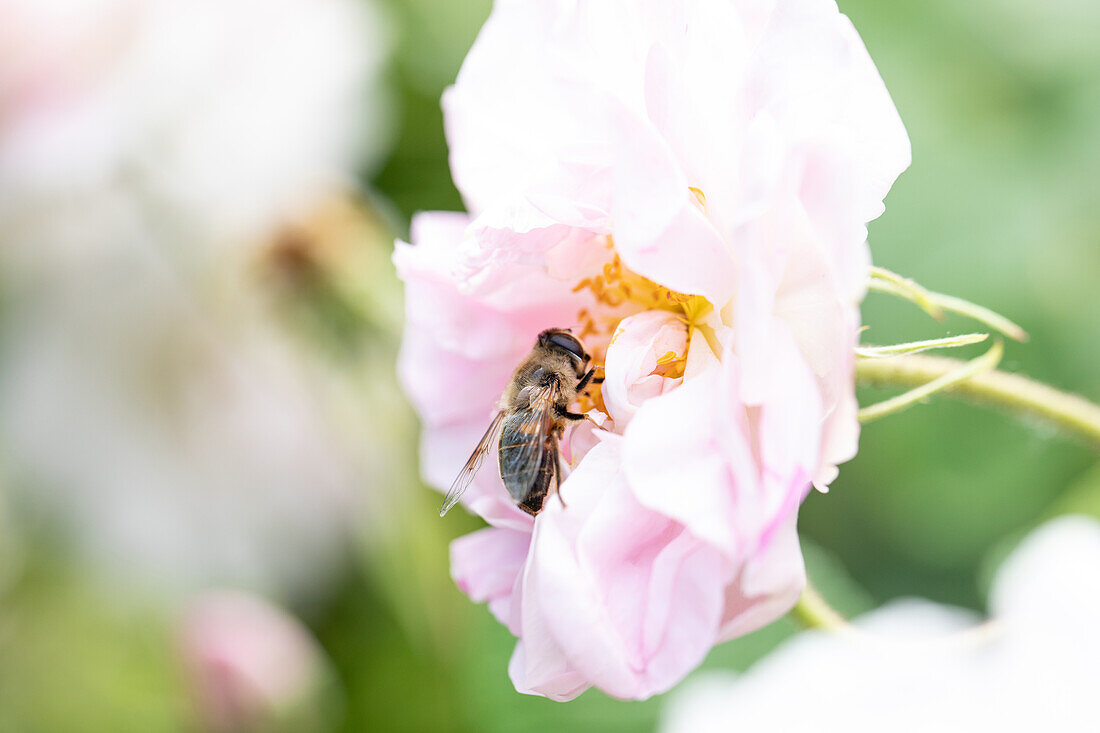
[{"x": 1002, "y": 102}]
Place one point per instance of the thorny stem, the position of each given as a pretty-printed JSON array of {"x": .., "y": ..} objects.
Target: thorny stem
[
  {"x": 1014, "y": 393},
  {"x": 966, "y": 370},
  {"x": 813, "y": 612},
  {"x": 934, "y": 304},
  {"x": 866, "y": 351}
]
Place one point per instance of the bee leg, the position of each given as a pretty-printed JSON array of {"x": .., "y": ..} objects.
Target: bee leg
[
  {"x": 587, "y": 378},
  {"x": 578, "y": 416},
  {"x": 592, "y": 420},
  {"x": 557, "y": 476}
]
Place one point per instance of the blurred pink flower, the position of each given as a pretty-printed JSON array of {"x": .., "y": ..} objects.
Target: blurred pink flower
[
  {"x": 151, "y": 401},
  {"x": 686, "y": 185},
  {"x": 248, "y": 663},
  {"x": 226, "y": 116}
]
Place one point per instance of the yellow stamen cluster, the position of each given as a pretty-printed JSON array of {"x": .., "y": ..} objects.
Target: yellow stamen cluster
[
  {"x": 618, "y": 288},
  {"x": 671, "y": 365}
]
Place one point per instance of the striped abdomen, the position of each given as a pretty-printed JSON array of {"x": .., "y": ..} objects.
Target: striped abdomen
[{"x": 528, "y": 455}]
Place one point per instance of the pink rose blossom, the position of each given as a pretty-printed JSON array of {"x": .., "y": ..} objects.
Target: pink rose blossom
[
  {"x": 686, "y": 186},
  {"x": 247, "y": 662}
]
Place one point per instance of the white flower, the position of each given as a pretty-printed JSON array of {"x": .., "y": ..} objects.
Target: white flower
[{"x": 919, "y": 666}]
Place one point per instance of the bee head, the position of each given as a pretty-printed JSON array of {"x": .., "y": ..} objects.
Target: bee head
[{"x": 561, "y": 338}]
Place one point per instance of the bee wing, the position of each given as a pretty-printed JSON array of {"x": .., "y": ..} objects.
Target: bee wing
[
  {"x": 530, "y": 437},
  {"x": 473, "y": 463}
]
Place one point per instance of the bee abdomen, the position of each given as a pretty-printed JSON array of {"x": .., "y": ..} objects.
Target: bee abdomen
[
  {"x": 526, "y": 464},
  {"x": 538, "y": 491}
]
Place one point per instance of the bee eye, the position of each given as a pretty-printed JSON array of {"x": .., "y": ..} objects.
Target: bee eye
[{"x": 569, "y": 343}]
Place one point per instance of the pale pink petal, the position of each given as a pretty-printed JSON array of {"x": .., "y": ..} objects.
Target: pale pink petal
[
  {"x": 512, "y": 231},
  {"x": 689, "y": 255},
  {"x": 829, "y": 194},
  {"x": 631, "y": 362},
  {"x": 768, "y": 586},
  {"x": 558, "y": 682},
  {"x": 787, "y": 426},
  {"x": 495, "y": 113},
  {"x": 467, "y": 387},
  {"x": 579, "y": 438},
  {"x": 687, "y": 455},
  {"x": 434, "y": 303},
  {"x": 659, "y": 228},
  {"x": 753, "y": 317},
  {"x": 615, "y": 109},
  {"x": 486, "y": 564},
  {"x": 800, "y": 284},
  {"x": 539, "y": 664},
  {"x": 812, "y": 73},
  {"x": 692, "y": 80},
  {"x": 629, "y": 596},
  {"x": 840, "y": 433}
]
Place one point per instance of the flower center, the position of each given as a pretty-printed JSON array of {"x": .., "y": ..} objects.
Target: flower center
[
  {"x": 619, "y": 292},
  {"x": 618, "y": 287}
]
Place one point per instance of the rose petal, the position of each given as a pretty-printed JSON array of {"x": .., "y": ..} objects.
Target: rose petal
[
  {"x": 486, "y": 564},
  {"x": 631, "y": 599},
  {"x": 639, "y": 342}
]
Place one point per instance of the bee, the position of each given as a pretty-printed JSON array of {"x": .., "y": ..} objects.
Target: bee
[{"x": 531, "y": 417}]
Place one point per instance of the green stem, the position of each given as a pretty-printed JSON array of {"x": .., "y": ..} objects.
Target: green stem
[
  {"x": 1013, "y": 393},
  {"x": 967, "y": 370},
  {"x": 867, "y": 351},
  {"x": 814, "y": 612},
  {"x": 934, "y": 304}
]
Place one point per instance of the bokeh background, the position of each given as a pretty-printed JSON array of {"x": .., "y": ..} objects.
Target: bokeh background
[{"x": 198, "y": 326}]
